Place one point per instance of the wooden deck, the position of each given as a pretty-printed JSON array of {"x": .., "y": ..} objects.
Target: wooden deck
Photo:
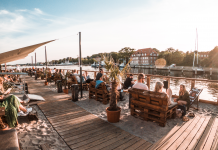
[
  {"x": 79, "y": 128},
  {"x": 83, "y": 130},
  {"x": 200, "y": 133}
]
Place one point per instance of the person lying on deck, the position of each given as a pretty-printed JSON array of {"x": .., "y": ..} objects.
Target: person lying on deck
[
  {"x": 141, "y": 82},
  {"x": 159, "y": 88}
]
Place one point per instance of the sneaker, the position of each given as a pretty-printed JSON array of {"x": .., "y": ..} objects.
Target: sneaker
[
  {"x": 29, "y": 109},
  {"x": 21, "y": 113}
]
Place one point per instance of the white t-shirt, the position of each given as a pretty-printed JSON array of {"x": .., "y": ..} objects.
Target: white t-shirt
[{"x": 140, "y": 86}]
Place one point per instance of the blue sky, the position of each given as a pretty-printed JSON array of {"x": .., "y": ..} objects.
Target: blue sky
[{"x": 106, "y": 25}]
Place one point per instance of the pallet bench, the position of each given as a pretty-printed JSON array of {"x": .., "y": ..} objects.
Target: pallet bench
[
  {"x": 152, "y": 106},
  {"x": 99, "y": 94}
]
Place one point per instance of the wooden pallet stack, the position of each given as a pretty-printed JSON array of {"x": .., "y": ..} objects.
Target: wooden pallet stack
[{"x": 152, "y": 106}]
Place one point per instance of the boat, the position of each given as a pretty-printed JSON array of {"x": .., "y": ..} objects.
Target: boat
[
  {"x": 94, "y": 65},
  {"x": 122, "y": 65},
  {"x": 196, "y": 70}
]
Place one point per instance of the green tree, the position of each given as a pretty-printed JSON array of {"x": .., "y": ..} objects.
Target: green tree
[
  {"x": 213, "y": 55},
  {"x": 115, "y": 56},
  {"x": 126, "y": 52},
  {"x": 156, "y": 50}
]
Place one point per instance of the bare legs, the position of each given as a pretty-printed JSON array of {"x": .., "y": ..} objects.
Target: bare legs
[
  {"x": 22, "y": 108},
  {"x": 180, "y": 102}
]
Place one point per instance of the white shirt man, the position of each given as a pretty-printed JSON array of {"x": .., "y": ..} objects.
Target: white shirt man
[{"x": 140, "y": 84}]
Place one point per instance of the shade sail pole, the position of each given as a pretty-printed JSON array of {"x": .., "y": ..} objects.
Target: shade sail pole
[
  {"x": 45, "y": 58},
  {"x": 80, "y": 63},
  {"x": 32, "y": 61}
]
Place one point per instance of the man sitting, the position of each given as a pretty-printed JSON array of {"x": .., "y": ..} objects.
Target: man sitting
[
  {"x": 140, "y": 84},
  {"x": 128, "y": 82}
]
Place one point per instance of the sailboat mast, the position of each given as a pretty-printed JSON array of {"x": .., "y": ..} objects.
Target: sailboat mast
[{"x": 197, "y": 45}]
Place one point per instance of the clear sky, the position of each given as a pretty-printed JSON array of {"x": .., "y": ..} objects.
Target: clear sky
[{"x": 106, "y": 25}]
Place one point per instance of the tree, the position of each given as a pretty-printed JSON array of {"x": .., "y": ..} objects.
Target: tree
[
  {"x": 126, "y": 52},
  {"x": 114, "y": 55},
  {"x": 213, "y": 55},
  {"x": 156, "y": 50}
]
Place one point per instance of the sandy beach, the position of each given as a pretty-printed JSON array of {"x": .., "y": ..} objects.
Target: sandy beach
[{"x": 33, "y": 134}]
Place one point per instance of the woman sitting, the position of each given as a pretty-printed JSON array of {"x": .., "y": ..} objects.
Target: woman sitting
[
  {"x": 183, "y": 100},
  {"x": 12, "y": 105},
  {"x": 159, "y": 88}
]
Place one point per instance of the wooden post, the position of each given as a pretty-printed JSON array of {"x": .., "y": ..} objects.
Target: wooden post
[
  {"x": 192, "y": 84},
  {"x": 45, "y": 58},
  {"x": 35, "y": 60},
  {"x": 168, "y": 79},
  {"x": 148, "y": 82},
  {"x": 210, "y": 71},
  {"x": 94, "y": 75}
]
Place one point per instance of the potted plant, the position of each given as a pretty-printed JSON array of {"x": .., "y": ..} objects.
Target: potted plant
[{"x": 113, "y": 111}]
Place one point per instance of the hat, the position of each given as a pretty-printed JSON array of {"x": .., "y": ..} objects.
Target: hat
[{"x": 99, "y": 75}]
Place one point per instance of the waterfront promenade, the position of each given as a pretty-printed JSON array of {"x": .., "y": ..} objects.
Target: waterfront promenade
[{"x": 83, "y": 130}]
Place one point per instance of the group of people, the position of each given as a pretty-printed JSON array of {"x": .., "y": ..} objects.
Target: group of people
[{"x": 183, "y": 99}]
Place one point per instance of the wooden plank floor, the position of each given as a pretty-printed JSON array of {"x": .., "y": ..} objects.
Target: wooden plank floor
[
  {"x": 82, "y": 130},
  {"x": 79, "y": 128},
  {"x": 199, "y": 133}
]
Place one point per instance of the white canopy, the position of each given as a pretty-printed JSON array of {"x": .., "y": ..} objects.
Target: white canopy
[{"x": 19, "y": 53}]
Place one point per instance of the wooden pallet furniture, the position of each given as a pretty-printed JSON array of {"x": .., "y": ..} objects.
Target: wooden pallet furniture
[
  {"x": 99, "y": 94},
  {"x": 152, "y": 106},
  {"x": 72, "y": 80}
]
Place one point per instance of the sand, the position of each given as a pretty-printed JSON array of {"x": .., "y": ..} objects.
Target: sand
[{"x": 32, "y": 134}]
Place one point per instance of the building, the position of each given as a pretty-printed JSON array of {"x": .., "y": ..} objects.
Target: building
[
  {"x": 202, "y": 55},
  {"x": 146, "y": 56}
]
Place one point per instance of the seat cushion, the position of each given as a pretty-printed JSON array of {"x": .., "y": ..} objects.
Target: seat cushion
[
  {"x": 9, "y": 140},
  {"x": 35, "y": 97},
  {"x": 172, "y": 105}
]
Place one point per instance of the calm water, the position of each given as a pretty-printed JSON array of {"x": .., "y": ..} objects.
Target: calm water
[{"x": 210, "y": 90}]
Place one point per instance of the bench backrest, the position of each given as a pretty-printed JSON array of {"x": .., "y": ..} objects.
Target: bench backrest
[{"x": 154, "y": 100}]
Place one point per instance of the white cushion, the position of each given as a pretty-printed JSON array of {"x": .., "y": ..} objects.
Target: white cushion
[{"x": 35, "y": 97}]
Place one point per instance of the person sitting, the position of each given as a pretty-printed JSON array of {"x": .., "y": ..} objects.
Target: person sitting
[
  {"x": 99, "y": 80},
  {"x": 128, "y": 82},
  {"x": 100, "y": 72},
  {"x": 140, "y": 84},
  {"x": 159, "y": 88},
  {"x": 87, "y": 77},
  {"x": 183, "y": 100},
  {"x": 8, "y": 78},
  {"x": 78, "y": 79},
  {"x": 12, "y": 106}
]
